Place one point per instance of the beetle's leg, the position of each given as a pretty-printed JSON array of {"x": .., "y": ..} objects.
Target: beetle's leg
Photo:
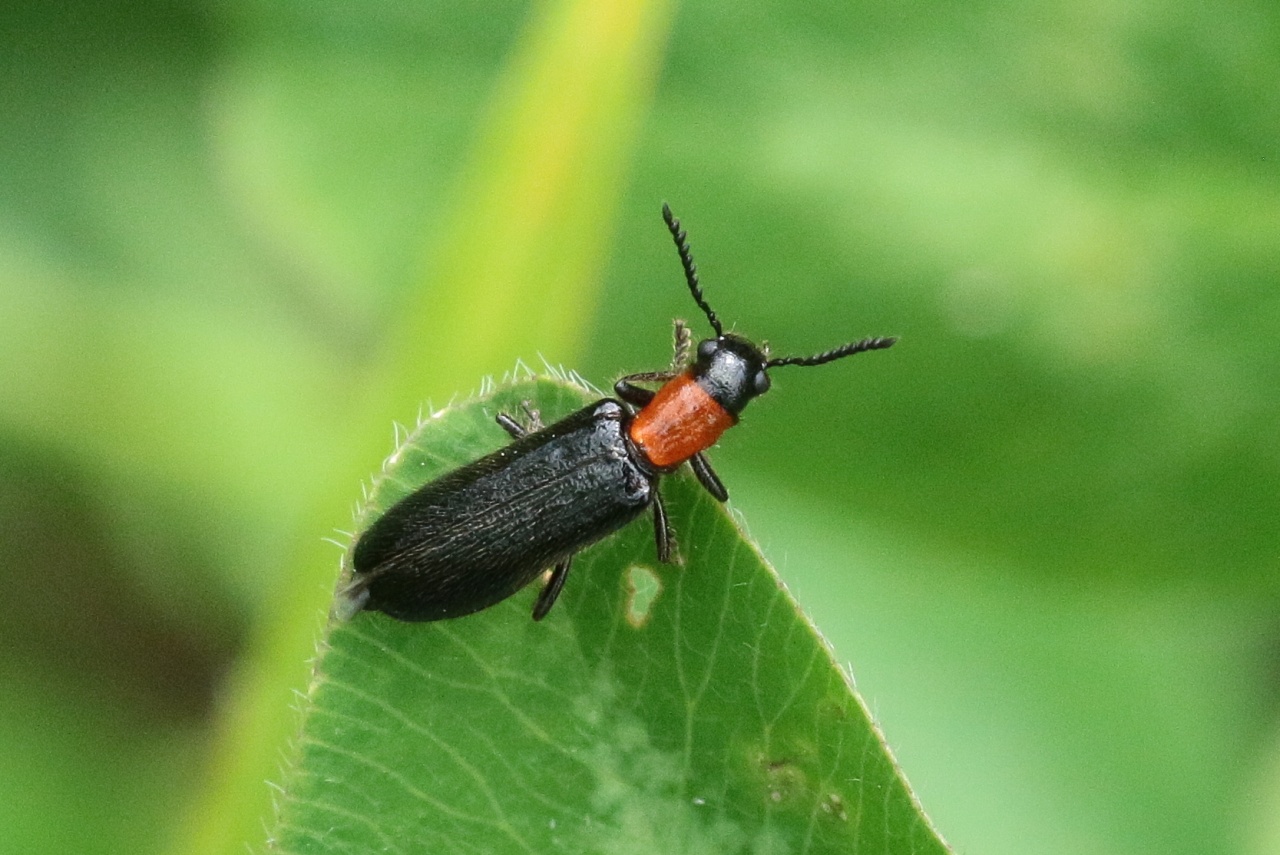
[
  {"x": 638, "y": 396},
  {"x": 661, "y": 529},
  {"x": 535, "y": 417},
  {"x": 647, "y": 377},
  {"x": 551, "y": 590},
  {"x": 707, "y": 477},
  {"x": 514, "y": 428},
  {"x": 510, "y": 425},
  {"x": 681, "y": 357}
]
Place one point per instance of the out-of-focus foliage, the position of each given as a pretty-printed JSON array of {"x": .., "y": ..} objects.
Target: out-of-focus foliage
[{"x": 1055, "y": 499}]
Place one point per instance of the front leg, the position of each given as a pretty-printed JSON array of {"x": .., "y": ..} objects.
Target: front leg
[
  {"x": 636, "y": 396},
  {"x": 680, "y": 358},
  {"x": 707, "y": 477}
]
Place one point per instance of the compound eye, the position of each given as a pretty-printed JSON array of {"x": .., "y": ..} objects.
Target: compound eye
[
  {"x": 760, "y": 383},
  {"x": 707, "y": 348}
]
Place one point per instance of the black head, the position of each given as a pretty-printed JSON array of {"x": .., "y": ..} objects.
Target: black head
[{"x": 731, "y": 368}]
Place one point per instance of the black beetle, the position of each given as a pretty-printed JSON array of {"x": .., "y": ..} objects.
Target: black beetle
[{"x": 479, "y": 534}]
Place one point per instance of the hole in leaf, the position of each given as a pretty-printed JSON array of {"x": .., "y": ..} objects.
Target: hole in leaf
[{"x": 643, "y": 587}]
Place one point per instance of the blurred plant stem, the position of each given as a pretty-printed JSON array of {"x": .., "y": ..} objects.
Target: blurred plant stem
[{"x": 514, "y": 275}]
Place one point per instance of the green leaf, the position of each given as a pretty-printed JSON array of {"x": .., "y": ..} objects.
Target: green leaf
[{"x": 659, "y": 708}]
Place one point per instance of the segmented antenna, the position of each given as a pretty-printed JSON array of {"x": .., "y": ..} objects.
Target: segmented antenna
[
  {"x": 840, "y": 352},
  {"x": 690, "y": 269}
]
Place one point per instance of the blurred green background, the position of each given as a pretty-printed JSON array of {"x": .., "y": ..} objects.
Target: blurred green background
[{"x": 1042, "y": 529}]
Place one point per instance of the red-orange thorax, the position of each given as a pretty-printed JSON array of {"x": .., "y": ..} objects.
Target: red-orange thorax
[{"x": 681, "y": 420}]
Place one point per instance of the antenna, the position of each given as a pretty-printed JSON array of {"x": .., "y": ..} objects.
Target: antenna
[
  {"x": 690, "y": 269},
  {"x": 875, "y": 343}
]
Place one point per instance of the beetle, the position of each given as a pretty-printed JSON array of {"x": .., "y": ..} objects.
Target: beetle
[{"x": 480, "y": 533}]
